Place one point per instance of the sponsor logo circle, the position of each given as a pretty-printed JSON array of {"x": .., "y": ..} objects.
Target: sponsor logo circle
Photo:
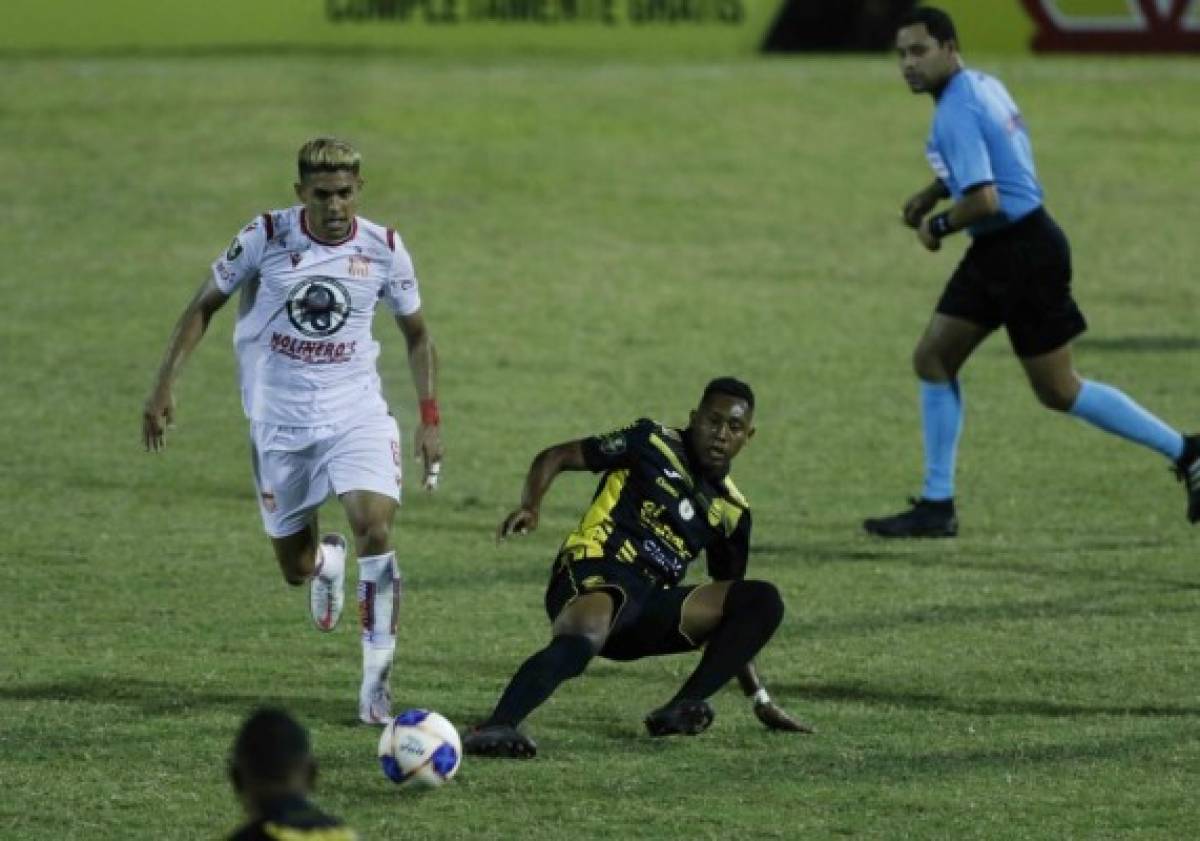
[{"x": 318, "y": 306}]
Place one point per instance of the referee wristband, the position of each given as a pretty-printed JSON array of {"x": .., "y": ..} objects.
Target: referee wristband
[
  {"x": 939, "y": 226},
  {"x": 430, "y": 416}
]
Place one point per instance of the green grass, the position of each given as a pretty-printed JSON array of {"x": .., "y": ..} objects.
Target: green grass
[{"x": 595, "y": 241}]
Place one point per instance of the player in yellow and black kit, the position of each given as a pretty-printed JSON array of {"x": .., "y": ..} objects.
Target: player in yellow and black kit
[
  {"x": 614, "y": 590},
  {"x": 273, "y": 772}
]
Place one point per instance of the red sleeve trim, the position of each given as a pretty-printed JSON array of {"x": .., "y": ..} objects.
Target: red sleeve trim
[
  {"x": 270, "y": 226},
  {"x": 391, "y": 239}
]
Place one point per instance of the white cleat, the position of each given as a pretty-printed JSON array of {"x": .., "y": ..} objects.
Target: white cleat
[
  {"x": 375, "y": 699},
  {"x": 326, "y": 589}
]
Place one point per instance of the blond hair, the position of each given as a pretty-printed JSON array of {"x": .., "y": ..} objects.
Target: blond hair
[{"x": 327, "y": 154}]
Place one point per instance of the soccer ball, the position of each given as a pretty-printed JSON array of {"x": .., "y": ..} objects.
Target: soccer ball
[{"x": 419, "y": 747}]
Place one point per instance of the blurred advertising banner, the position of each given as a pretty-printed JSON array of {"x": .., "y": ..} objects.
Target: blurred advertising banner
[
  {"x": 1140, "y": 26},
  {"x": 1116, "y": 26},
  {"x": 466, "y": 27}
]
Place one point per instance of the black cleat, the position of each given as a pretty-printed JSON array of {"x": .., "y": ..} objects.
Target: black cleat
[
  {"x": 686, "y": 716},
  {"x": 1187, "y": 469},
  {"x": 498, "y": 740},
  {"x": 926, "y": 518}
]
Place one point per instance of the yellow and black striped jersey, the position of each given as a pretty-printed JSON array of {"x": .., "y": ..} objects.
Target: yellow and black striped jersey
[{"x": 654, "y": 506}]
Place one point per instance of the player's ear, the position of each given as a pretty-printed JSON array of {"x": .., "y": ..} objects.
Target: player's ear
[
  {"x": 299, "y": 186},
  {"x": 750, "y": 433},
  {"x": 310, "y": 775},
  {"x": 692, "y": 419},
  {"x": 235, "y": 777}
]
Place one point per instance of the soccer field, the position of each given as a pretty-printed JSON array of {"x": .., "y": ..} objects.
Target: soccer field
[{"x": 595, "y": 241}]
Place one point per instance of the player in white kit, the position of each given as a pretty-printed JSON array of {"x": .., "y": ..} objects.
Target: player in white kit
[{"x": 310, "y": 277}]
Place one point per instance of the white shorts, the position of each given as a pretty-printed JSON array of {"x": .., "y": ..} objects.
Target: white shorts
[{"x": 297, "y": 468}]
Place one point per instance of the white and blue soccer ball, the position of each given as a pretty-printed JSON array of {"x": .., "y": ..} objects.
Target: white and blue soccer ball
[{"x": 419, "y": 748}]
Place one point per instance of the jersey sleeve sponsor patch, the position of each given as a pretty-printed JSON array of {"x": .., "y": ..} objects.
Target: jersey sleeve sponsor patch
[
  {"x": 616, "y": 449},
  {"x": 400, "y": 291},
  {"x": 242, "y": 258}
]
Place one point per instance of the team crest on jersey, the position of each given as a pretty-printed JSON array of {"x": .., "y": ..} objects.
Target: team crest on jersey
[
  {"x": 318, "y": 306},
  {"x": 360, "y": 266},
  {"x": 686, "y": 511}
]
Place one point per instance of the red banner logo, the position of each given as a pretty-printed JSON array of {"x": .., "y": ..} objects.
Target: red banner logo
[{"x": 1153, "y": 26}]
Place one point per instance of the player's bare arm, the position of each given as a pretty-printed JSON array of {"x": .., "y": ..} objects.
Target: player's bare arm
[
  {"x": 159, "y": 410},
  {"x": 423, "y": 363},
  {"x": 546, "y": 466},
  {"x": 772, "y": 716},
  {"x": 919, "y": 204},
  {"x": 977, "y": 204}
]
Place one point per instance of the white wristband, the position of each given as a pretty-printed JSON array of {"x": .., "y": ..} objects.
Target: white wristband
[{"x": 761, "y": 697}]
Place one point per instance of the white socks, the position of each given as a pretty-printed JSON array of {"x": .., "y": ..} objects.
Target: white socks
[{"x": 379, "y": 590}]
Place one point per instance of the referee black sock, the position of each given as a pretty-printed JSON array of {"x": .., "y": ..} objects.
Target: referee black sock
[
  {"x": 753, "y": 610},
  {"x": 564, "y": 658}
]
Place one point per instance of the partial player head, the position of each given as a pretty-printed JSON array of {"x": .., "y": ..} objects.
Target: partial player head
[
  {"x": 927, "y": 44},
  {"x": 271, "y": 757},
  {"x": 722, "y": 424},
  {"x": 329, "y": 186}
]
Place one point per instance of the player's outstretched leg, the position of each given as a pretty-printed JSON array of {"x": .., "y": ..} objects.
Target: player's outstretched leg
[
  {"x": 751, "y": 614},
  {"x": 564, "y": 658},
  {"x": 380, "y": 586},
  {"x": 326, "y": 588}
]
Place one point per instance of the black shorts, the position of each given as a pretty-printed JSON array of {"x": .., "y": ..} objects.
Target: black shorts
[
  {"x": 1020, "y": 277},
  {"x": 647, "y": 617}
]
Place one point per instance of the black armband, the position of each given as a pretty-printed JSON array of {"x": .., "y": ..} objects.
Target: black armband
[{"x": 939, "y": 225}]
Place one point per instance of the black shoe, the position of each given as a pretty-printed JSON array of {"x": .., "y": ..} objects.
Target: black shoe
[
  {"x": 684, "y": 716},
  {"x": 498, "y": 740},
  {"x": 1187, "y": 469},
  {"x": 926, "y": 518}
]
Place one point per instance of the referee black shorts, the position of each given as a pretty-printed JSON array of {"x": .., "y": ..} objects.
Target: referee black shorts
[
  {"x": 1019, "y": 277},
  {"x": 648, "y": 613}
]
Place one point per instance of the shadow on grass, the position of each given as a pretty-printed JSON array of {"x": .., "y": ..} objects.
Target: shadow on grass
[
  {"x": 158, "y": 698},
  {"x": 1043, "y": 561},
  {"x": 863, "y": 694},
  {"x": 1148, "y": 343},
  {"x": 1006, "y": 611}
]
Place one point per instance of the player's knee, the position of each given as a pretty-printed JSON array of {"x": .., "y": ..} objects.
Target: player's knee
[
  {"x": 1059, "y": 398},
  {"x": 760, "y": 599},
  {"x": 928, "y": 366},
  {"x": 373, "y": 538}
]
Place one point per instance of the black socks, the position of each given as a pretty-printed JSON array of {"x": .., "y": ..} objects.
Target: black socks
[
  {"x": 564, "y": 658},
  {"x": 753, "y": 610}
]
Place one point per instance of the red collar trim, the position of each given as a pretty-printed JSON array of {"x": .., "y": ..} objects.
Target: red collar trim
[{"x": 317, "y": 239}]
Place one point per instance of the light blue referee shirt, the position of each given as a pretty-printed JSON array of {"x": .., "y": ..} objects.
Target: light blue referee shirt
[{"x": 978, "y": 137}]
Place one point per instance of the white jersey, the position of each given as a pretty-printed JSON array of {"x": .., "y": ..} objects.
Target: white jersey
[{"x": 306, "y": 356}]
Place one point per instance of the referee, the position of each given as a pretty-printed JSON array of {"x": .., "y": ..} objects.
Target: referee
[{"x": 1016, "y": 273}]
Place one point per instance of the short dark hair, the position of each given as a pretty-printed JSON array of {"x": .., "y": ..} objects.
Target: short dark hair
[
  {"x": 936, "y": 22},
  {"x": 271, "y": 746},
  {"x": 730, "y": 387}
]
